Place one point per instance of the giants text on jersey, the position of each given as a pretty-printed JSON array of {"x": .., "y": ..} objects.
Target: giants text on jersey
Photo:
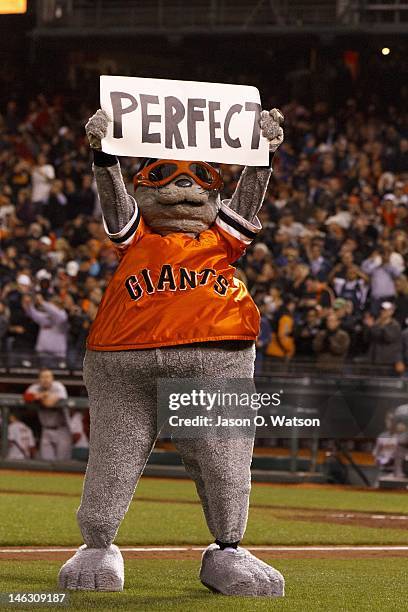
[{"x": 176, "y": 289}]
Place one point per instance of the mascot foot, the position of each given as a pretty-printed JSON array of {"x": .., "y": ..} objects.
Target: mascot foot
[
  {"x": 237, "y": 572},
  {"x": 93, "y": 569}
]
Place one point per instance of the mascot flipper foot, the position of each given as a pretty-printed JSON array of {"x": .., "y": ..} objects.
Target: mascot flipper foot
[
  {"x": 239, "y": 573},
  {"x": 93, "y": 569}
]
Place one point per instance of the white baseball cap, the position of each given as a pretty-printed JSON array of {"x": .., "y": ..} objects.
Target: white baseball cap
[
  {"x": 43, "y": 273},
  {"x": 72, "y": 268},
  {"x": 342, "y": 219},
  {"x": 389, "y": 196},
  {"x": 24, "y": 279}
]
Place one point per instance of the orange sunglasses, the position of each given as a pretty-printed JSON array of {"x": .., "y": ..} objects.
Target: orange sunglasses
[{"x": 162, "y": 172}]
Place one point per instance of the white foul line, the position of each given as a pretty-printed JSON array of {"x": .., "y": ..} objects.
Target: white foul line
[{"x": 143, "y": 549}]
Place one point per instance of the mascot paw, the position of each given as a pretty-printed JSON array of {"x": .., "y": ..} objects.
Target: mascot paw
[
  {"x": 271, "y": 127},
  {"x": 97, "y": 128},
  {"x": 239, "y": 573},
  {"x": 93, "y": 569}
]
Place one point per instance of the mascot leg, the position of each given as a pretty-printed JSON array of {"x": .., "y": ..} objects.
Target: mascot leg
[
  {"x": 122, "y": 403},
  {"x": 220, "y": 467}
]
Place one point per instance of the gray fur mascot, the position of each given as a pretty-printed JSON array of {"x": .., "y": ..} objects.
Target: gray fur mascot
[{"x": 172, "y": 309}]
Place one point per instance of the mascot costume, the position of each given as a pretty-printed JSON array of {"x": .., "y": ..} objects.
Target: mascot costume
[{"x": 172, "y": 309}]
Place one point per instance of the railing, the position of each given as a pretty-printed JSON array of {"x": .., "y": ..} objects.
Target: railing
[
  {"x": 348, "y": 408},
  {"x": 163, "y": 461},
  {"x": 15, "y": 367},
  {"x": 230, "y": 16},
  {"x": 384, "y": 12},
  {"x": 26, "y": 364},
  {"x": 303, "y": 366}
]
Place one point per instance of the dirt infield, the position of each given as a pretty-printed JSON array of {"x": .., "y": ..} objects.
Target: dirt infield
[
  {"x": 51, "y": 553},
  {"x": 358, "y": 519}
]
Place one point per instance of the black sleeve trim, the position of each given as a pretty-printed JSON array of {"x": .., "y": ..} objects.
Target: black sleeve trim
[
  {"x": 130, "y": 231},
  {"x": 103, "y": 160},
  {"x": 237, "y": 226}
]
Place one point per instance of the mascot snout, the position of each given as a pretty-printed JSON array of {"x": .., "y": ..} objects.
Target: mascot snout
[{"x": 178, "y": 196}]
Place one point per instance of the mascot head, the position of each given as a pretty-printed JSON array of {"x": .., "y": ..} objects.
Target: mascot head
[{"x": 178, "y": 196}]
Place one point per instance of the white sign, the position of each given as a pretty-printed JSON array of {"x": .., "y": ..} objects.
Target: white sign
[{"x": 187, "y": 120}]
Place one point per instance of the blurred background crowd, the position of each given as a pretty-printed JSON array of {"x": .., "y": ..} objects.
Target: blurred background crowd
[{"x": 328, "y": 272}]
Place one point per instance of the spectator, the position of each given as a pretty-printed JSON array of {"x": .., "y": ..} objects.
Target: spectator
[
  {"x": 4, "y": 325},
  {"x": 331, "y": 345},
  {"x": 400, "y": 161},
  {"x": 282, "y": 345},
  {"x": 297, "y": 281},
  {"x": 383, "y": 275},
  {"x": 306, "y": 331},
  {"x": 384, "y": 337},
  {"x": 52, "y": 320},
  {"x": 55, "y": 206},
  {"x": 352, "y": 287},
  {"x": 26, "y": 209},
  {"x": 404, "y": 349},
  {"x": 319, "y": 265},
  {"x": 338, "y": 273},
  {"x": 87, "y": 195},
  {"x": 42, "y": 176},
  {"x": 256, "y": 261},
  {"x": 22, "y": 330},
  {"x": 56, "y": 442},
  {"x": 288, "y": 225},
  {"x": 385, "y": 447},
  {"x": 316, "y": 295},
  {"x": 401, "y": 453},
  {"x": 21, "y": 443},
  {"x": 401, "y": 301},
  {"x": 73, "y": 199},
  {"x": 264, "y": 338},
  {"x": 80, "y": 439},
  {"x": 351, "y": 322}
]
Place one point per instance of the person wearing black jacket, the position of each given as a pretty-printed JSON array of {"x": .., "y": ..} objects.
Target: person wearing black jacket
[
  {"x": 384, "y": 337},
  {"x": 331, "y": 344},
  {"x": 401, "y": 301}
]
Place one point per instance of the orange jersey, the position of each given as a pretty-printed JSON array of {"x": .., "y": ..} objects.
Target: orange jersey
[{"x": 175, "y": 289}]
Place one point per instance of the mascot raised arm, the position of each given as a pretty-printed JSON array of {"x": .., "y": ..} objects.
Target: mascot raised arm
[{"x": 172, "y": 309}]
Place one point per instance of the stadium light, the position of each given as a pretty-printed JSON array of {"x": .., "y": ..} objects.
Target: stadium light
[
  {"x": 13, "y": 7},
  {"x": 385, "y": 50}
]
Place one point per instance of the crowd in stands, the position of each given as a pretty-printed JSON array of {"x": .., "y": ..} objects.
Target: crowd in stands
[{"x": 328, "y": 272}]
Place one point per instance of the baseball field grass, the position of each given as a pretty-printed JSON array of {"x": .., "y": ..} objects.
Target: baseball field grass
[
  {"x": 322, "y": 585},
  {"x": 38, "y": 510}
]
